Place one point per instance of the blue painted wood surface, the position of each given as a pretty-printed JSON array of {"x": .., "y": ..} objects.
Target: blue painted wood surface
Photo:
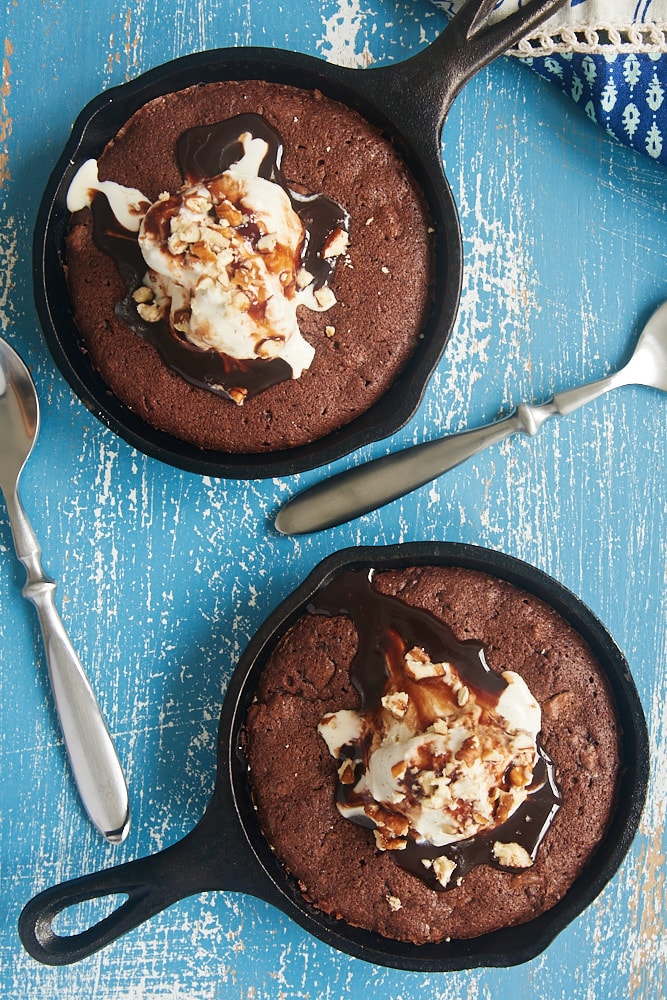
[{"x": 164, "y": 576}]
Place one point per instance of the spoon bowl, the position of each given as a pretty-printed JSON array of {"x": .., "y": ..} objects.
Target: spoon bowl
[
  {"x": 648, "y": 364},
  {"x": 19, "y": 416},
  {"x": 95, "y": 766},
  {"x": 373, "y": 484}
]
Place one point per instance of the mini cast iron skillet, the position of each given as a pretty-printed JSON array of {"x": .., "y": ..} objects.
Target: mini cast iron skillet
[
  {"x": 227, "y": 850},
  {"x": 408, "y": 102}
]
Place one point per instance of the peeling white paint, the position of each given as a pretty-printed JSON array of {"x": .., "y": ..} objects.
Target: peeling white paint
[
  {"x": 8, "y": 262},
  {"x": 342, "y": 33}
]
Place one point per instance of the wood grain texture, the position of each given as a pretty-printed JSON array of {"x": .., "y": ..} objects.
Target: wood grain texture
[{"x": 164, "y": 576}]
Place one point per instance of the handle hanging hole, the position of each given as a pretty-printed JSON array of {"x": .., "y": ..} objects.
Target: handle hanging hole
[{"x": 79, "y": 917}]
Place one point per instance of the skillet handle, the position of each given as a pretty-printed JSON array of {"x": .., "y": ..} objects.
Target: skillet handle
[
  {"x": 207, "y": 858},
  {"x": 134, "y": 881},
  {"x": 469, "y": 29},
  {"x": 436, "y": 74}
]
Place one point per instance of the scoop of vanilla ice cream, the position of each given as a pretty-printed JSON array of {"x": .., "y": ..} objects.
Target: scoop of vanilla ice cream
[
  {"x": 223, "y": 259},
  {"x": 223, "y": 256},
  {"x": 466, "y": 771}
]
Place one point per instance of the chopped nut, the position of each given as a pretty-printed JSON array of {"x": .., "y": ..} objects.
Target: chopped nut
[
  {"x": 504, "y": 807},
  {"x": 303, "y": 278},
  {"x": 143, "y": 294},
  {"x": 389, "y": 822},
  {"x": 520, "y": 776},
  {"x": 512, "y": 855},
  {"x": 267, "y": 243},
  {"x": 396, "y": 703},
  {"x": 346, "y": 772},
  {"x": 330, "y": 331},
  {"x": 386, "y": 843},
  {"x": 217, "y": 239},
  {"x": 197, "y": 203},
  {"x": 149, "y": 312},
  {"x": 444, "y": 868},
  {"x": 229, "y": 213},
  {"x": 190, "y": 233},
  {"x": 175, "y": 245},
  {"x": 205, "y": 283},
  {"x": 431, "y": 784},
  {"x": 325, "y": 298},
  {"x": 369, "y": 222},
  {"x": 418, "y": 665},
  {"x": 439, "y": 726},
  {"x": 225, "y": 257},
  {"x": 202, "y": 251},
  {"x": 238, "y": 395},
  {"x": 398, "y": 769},
  {"x": 468, "y": 752},
  {"x": 384, "y": 269},
  {"x": 335, "y": 244},
  {"x": 462, "y": 696},
  {"x": 394, "y": 902}
]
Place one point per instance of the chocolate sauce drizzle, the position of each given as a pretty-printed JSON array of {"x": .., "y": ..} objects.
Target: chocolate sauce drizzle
[
  {"x": 387, "y": 628},
  {"x": 201, "y": 153}
]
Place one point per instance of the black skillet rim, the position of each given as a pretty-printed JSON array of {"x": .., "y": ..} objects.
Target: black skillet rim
[
  {"x": 99, "y": 121},
  {"x": 504, "y": 948}
]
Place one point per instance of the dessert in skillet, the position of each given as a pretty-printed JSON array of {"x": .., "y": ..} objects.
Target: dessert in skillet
[
  {"x": 249, "y": 264},
  {"x": 433, "y": 753}
]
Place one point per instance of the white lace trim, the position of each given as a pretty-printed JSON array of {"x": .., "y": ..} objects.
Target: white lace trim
[
  {"x": 603, "y": 39},
  {"x": 603, "y": 27}
]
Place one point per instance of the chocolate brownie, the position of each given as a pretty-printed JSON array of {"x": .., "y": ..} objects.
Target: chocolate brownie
[
  {"x": 294, "y": 779},
  {"x": 383, "y": 286}
]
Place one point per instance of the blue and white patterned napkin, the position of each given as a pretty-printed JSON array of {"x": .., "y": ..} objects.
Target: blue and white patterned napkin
[{"x": 610, "y": 57}]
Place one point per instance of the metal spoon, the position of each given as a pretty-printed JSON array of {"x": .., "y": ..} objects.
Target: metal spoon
[
  {"x": 92, "y": 756},
  {"x": 366, "y": 487}
]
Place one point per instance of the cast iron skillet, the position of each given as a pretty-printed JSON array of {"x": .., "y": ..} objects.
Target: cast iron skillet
[
  {"x": 226, "y": 850},
  {"x": 408, "y": 102}
]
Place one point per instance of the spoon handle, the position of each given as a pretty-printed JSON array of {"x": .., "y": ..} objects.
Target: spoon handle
[
  {"x": 95, "y": 765},
  {"x": 367, "y": 487}
]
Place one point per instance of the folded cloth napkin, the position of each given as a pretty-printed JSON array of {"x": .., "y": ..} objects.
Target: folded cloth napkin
[{"x": 610, "y": 57}]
